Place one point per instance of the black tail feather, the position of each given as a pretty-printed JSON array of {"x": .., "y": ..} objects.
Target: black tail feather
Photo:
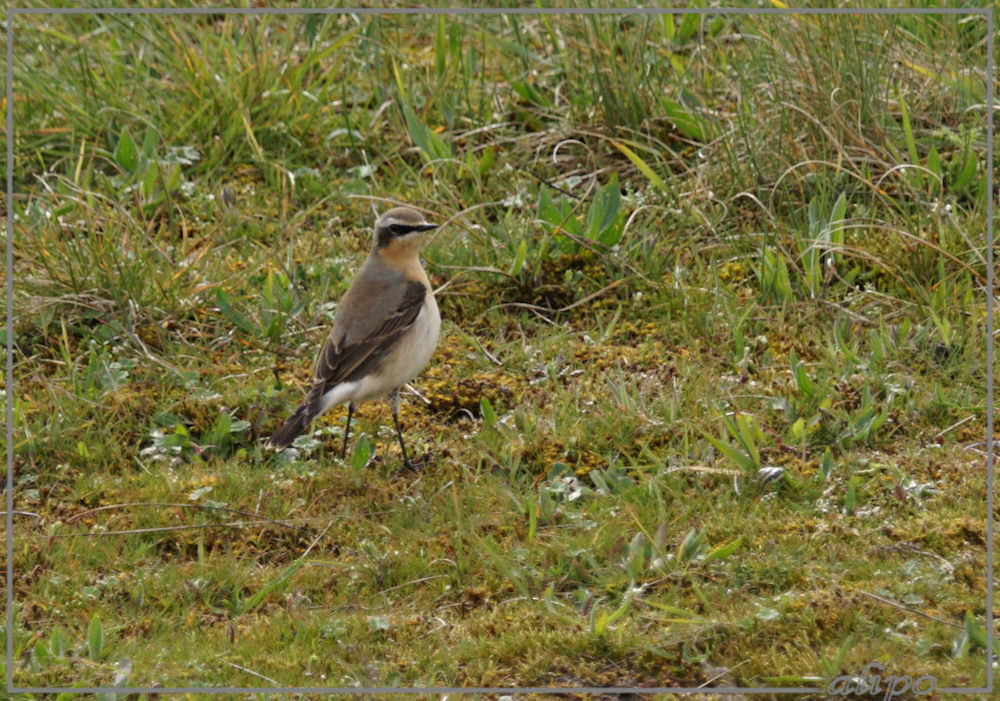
[{"x": 289, "y": 430}]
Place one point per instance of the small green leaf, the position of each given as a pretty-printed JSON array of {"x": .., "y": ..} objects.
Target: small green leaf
[
  {"x": 836, "y": 226},
  {"x": 745, "y": 430},
  {"x": 669, "y": 27},
  {"x": 199, "y": 493},
  {"x": 934, "y": 162},
  {"x": 805, "y": 384},
  {"x": 223, "y": 424},
  {"x": 362, "y": 453},
  {"x": 174, "y": 180},
  {"x": 440, "y": 47},
  {"x": 826, "y": 466},
  {"x": 739, "y": 458},
  {"x": 271, "y": 587},
  {"x": 815, "y": 223},
  {"x": 724, "y": 550},
  {"x": 531, "y": 94},
  {"x": 976, "y": 632},
  {"x": 58, "y": 643},
  {"x": 149, "y": 141},
  {"x": 620, "y": 611},
  {"x": 851, "y": 500},
  {"x": 231, "y": 313},
  {"x": 960, "y": 645},
  {"x": 692, "y": 545},
  {"x": 642, "y": 165},
  {"x": 768, "y": 614},
  {"x": 486, "y": 162},
  {"x": 517, "y": 265},
  {"x": 798, "y": 429},
  {"x": 911, "y": 144},
  {"x": 604, "y": 209},
  {"x": 95, "y": 639},
  {"x": 378, "y": 623},
  {"x": 42, "y": 657},
  {"x": 689, "y": 27},
  {"x": 424, "y": 137},
  {"x": 775, "y": 283},
  {"x": 547, "y": 209},
  {"x": 239, "y": 426},
  {"x": 125, "y": 153},
  {"x": 533, "y": 508},
  {"x": 687, "y": 122},
  {"x": 488, "y": 414},
  {"x": 965, "y": 173}
]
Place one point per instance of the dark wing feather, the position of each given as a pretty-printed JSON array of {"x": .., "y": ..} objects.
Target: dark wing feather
[
  {"x": 345, "y": 362},
  {"x": 342, "y": 362}
]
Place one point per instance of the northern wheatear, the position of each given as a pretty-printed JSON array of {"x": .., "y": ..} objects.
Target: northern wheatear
[{"x": 384, "y": 331}]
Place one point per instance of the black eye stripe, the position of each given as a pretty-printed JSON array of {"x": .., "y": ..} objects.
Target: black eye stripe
[{"x": 396, "y": 229}]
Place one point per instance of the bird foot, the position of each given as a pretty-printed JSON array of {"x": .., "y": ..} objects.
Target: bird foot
[{"x": 413, "y": 466}]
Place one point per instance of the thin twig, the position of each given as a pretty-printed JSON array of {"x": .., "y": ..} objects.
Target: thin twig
[
  {"x": 538, "y": 308},
  {"x": 250, "y": 671},
  {"x": 162, "y": 529},
  {"x": 21, "y": 513},
  {"x": 953, "y": 426},
  {"x": 482, "y": 349},
  {"x": 74, "y": 517},
  {"x": 415, "y": 581},
  {"x": 316, "y": 540},
  {"x": 542, "y": 180},
  {"x": 724, "y": 672},
  {"x": 702, "y": 468},
  {"x": 890, "y": 602}
]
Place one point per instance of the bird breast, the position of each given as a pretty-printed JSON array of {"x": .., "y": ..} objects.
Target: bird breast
[{"x": 409, "y": 357}]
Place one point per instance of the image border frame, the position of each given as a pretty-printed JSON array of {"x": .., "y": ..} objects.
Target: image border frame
[{"x": 13, "y": 12}]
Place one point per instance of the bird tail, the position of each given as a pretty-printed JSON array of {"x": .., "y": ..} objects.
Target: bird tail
[{"x": 289, "y": 431}]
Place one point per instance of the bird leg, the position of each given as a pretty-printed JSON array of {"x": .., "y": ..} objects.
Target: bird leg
[
  {"x": 407, "y": 465},
  {"x": 347, "y": 430}
]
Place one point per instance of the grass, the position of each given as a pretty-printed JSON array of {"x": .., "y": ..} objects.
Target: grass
[{"x": 677, "y": 251}]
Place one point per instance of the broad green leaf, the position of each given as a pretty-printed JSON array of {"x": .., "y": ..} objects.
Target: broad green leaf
[
  {"x": 826, "y": 466},
  {"x": 486, "y": 162},
  {"x": 934, "y": 161},
  {"x": 724, "y": 550},
  {"x": 911, "y": 144},
  {"x": 232, "y": 314},
  {"x": 688, "y": 123},
  {"x": 604, "y": 209},
  {"x": 744, "y": 430},
  {"x": 977, "y": 633},
  {"x": 149, "y": 141},
  {"x": 642, "y": 166},
  {"x": 272, "y": 586},
  {"x": 440, "y": 46},
  {"x": 95, "y": 639},
  {"x": 42, "y": 656},
  {"x": 125, "y": 153},
  {"x": 689, "y": 26},
  {"x": 486, "y": 409},
  {"x": 775, "y": 282},
  {"x": 732, "y": 454},
  {"x": 798, "y": 429},
  {"x": 966, "y": 172}
]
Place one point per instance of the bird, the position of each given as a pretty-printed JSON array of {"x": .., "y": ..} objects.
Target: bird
[{"x": 384, "y": 331}]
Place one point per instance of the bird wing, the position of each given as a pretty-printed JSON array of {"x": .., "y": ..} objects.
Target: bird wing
[{"x": 344, "y": 359}]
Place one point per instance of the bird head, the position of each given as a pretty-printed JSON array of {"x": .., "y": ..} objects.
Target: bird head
[{"x": 401, "y": 227}]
